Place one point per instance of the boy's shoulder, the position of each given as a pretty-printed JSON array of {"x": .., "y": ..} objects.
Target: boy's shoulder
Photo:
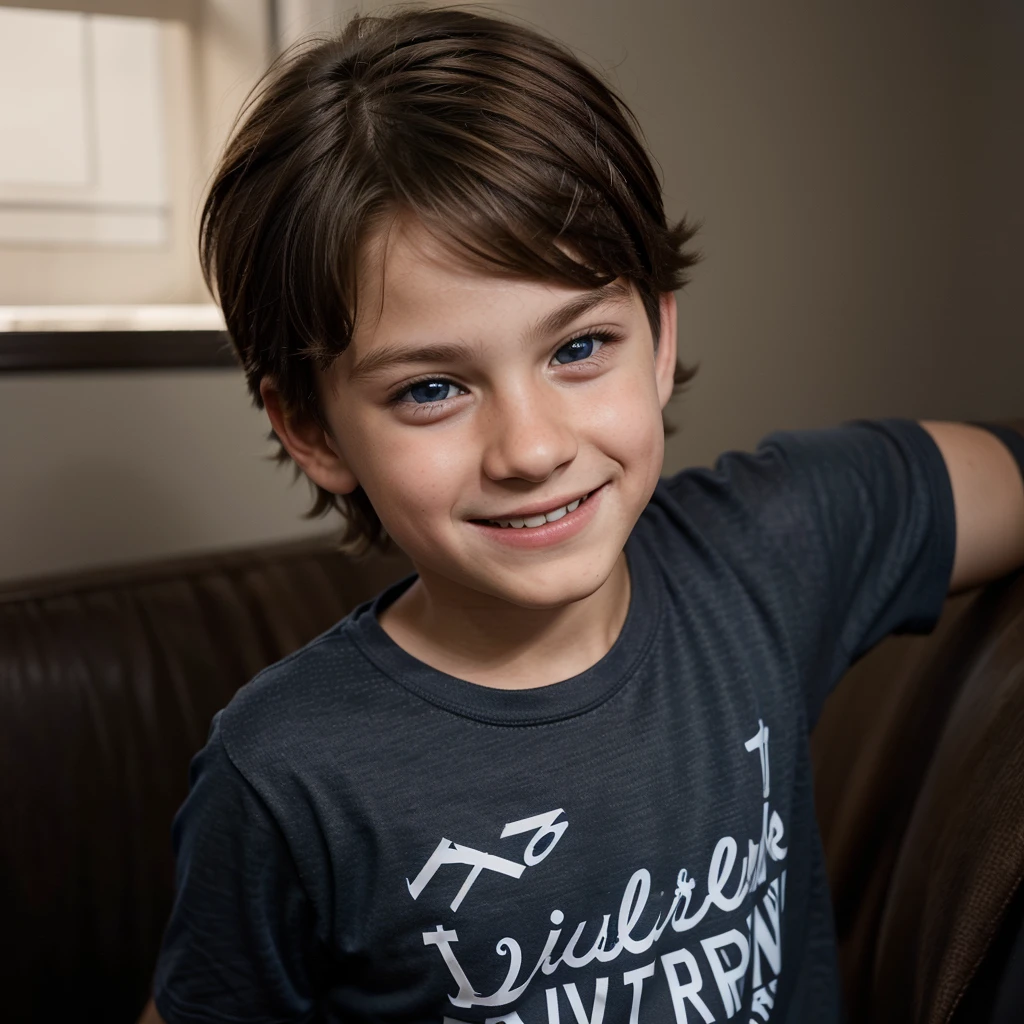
[
  {"x": 321, "y": 691},
  {"x": 795, "y": 476}
]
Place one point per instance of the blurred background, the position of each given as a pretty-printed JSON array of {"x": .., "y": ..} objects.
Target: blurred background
[{"x": 857, "y": 169}]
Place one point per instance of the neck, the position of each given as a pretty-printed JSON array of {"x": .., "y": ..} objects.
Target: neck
[{"x": 485, "y": 640}]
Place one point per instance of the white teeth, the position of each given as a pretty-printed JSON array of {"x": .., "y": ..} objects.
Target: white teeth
[{"x": 539, "y": 520}]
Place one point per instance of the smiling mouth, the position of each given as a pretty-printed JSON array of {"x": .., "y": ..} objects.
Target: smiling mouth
[{"x": 540, "y": 519}]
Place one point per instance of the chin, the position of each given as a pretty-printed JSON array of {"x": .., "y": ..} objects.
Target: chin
[{"x": 556, "y": 591}]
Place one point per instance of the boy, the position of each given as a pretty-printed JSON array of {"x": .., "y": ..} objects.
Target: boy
[{"x": 560, "y": 774}]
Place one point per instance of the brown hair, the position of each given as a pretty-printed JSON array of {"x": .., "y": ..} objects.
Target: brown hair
[{"x": 494, "y": 137}]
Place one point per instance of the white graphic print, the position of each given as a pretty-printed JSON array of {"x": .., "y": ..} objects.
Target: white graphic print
[
  {"x": 724, "y": 965},
  {"x": 448, "y": 852}
]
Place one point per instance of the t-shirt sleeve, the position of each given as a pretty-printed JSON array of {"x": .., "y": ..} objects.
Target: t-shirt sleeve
[
  {"x": 846, "y": 535},
  {"x": 239, "y": 942}
]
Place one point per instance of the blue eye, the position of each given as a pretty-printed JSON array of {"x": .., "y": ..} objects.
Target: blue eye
[
  {"x": 432, "y": 391},
  {"x": 577, "y": 349}
]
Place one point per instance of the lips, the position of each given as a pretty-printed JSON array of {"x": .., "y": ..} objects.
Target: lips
[
  {"x": 536, "y": 519},
  {"x": 562, "y": 527}
]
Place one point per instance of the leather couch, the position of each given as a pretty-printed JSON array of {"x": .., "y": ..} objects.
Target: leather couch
[
  {"x": 919, "y": 783},
  {"x": 108, "y": 682}
]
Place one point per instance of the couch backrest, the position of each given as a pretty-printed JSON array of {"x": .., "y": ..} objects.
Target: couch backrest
[
  {"x": 108, "y": 683},
  {"x": 919, "y": 760}
]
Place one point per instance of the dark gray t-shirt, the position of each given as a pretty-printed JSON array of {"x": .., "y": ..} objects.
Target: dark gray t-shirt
[{"x": 368, "y": 839}]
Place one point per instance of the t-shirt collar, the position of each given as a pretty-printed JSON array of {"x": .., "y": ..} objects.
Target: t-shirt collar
[{"x": 535, "y": 706}]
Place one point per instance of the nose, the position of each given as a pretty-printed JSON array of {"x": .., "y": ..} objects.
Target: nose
[{"x": 529, "y": 436}]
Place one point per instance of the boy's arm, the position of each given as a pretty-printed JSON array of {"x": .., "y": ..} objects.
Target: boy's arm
[
  {"x": 240, "y": 943},
  {"x": 150, "y": 1015},
  {"x": 988, "y": 496}
]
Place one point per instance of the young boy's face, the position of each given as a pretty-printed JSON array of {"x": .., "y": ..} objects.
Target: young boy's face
[{"x": 465, "y": 401}]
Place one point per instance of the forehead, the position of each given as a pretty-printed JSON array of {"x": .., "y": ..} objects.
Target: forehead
[{"x": 409, "y": 280}]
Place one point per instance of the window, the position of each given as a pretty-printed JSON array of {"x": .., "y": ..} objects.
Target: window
[{"x": 82, "y": 119}]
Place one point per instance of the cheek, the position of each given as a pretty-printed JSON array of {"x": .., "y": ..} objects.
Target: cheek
[
  {"x": 410, "y": 471},
  {"x": 627, "y": 416}
]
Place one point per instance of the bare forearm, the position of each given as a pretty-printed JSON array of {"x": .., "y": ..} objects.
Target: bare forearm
[
  {"x": 150, "y": 1015},
  {"x": 988, "y": 494}
]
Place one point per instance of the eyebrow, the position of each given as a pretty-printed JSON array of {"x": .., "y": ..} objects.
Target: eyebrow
[{"x": 617, "y": 291}]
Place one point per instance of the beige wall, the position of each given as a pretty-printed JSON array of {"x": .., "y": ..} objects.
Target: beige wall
[
  {"x": 990, "y": 261},
  {"x": 857, "y": 170}
]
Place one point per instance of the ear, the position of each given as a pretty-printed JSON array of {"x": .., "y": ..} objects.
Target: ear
[
  {"x": 665, "y": 356},
  {"x": 315, "y": 452}
]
